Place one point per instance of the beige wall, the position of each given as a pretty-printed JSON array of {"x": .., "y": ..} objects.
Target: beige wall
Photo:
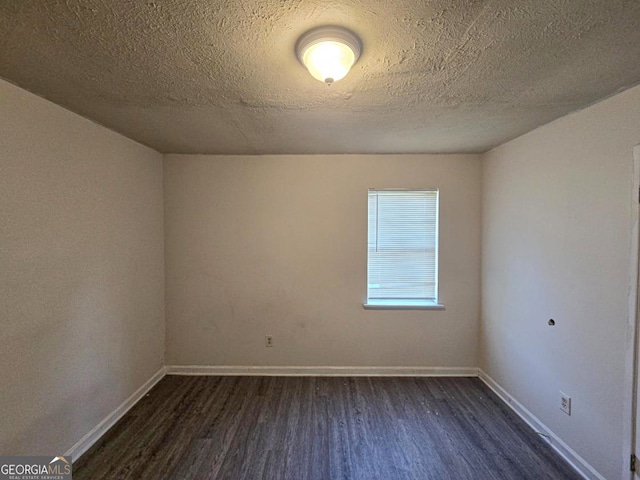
[
  {"x": 81, "y": 273},
  {"x": 277, "y": 245},
  {"x": 556, "y": 243}
]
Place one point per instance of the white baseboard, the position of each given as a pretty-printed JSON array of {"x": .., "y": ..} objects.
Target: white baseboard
[
  {"x": 575, "y": 460},
  {"x": 86, "y": 442},
  {"x": 322, "y": 371}
]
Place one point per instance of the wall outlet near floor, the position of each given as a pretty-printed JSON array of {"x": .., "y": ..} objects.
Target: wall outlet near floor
[
  {"x": 565, "y": 403},
  {"x": 268, "y": 341}
]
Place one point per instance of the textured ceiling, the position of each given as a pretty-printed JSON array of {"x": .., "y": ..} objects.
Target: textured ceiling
[{"x": 220, "y": 76}]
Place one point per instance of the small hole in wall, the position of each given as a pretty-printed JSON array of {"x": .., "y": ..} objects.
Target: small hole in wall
[{"x": 551, "y": 322}]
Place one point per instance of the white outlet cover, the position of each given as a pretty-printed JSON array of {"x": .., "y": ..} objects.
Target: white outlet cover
[{"x": 565, "y": 403}]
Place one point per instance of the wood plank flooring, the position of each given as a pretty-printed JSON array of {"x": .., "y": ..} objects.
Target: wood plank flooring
[{"x": 317, "y": 428}]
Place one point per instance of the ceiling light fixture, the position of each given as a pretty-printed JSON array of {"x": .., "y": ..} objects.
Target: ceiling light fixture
[{"x": 328, "y": 52}]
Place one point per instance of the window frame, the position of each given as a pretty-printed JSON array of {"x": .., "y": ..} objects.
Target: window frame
[{"x": 408, "y": 303}]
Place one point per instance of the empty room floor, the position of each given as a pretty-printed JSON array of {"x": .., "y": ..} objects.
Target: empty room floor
[{"x": 200, "y": 427}]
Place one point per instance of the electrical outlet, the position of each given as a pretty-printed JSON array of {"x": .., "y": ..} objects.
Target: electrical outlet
[
  {"x": 565, "y": 403},
  {"x": 268, "y": 341}
]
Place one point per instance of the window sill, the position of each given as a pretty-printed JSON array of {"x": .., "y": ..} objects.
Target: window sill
[{"x": 402, "y": 305}]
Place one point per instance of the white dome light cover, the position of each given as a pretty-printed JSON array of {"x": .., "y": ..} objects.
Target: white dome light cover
[{"x": 329, "y": 52}]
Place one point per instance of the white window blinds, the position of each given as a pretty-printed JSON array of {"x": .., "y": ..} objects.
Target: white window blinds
[{"x": 403, "y": 245}]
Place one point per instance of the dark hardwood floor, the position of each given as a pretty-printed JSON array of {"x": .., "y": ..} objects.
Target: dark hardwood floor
[{"x": 299, "y": 428}]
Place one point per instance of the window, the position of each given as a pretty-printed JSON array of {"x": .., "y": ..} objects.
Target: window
[{"x": 402, "y": 266}]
